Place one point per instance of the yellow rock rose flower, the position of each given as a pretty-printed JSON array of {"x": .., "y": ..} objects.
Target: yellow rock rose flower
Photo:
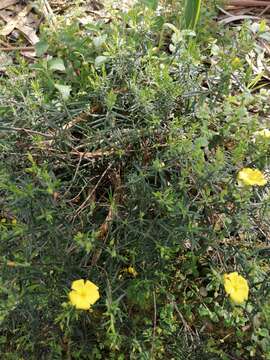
[
  {"x": 131, "y": 271},
  {"x": 83, "y": 294},
  {"x": 236, "y": 287},
  {"x": 250, "y": 177},
  {"x": 265, "y": 133}
]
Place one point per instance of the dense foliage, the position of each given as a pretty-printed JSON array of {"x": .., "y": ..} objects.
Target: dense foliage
[{"x": 120, "y": 149}]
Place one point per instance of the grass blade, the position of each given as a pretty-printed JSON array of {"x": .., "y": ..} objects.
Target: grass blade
[{"x": 191, "y": 14}]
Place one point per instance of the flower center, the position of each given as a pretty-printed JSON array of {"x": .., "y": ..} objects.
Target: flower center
[{"x": 83, "y": 293}]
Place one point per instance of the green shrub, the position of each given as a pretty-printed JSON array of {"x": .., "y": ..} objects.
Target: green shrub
[{"x": 132, "y": 162}]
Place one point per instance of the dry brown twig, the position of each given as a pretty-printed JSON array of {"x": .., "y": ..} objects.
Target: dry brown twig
[
  {"x": 84, "y": 205},
  {"x": 104, "y": 228},
  {"x": 188, "y": 329},
  {"x": 93, "y": 154},
  {"x": 17, "y": 48},
  {"x": 27, "y": 131},
  {"x": 248, "y": 7},
  {"x": 154, "y": 326},
  {"x": 243, "y": 3}
]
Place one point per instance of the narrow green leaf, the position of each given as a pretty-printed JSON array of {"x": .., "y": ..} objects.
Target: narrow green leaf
[{"x": 191, "y": 13}]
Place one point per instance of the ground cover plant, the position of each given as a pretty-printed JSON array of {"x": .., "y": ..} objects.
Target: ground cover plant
[{"x": 134, "y": 186}]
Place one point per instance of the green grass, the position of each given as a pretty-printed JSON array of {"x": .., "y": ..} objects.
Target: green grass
[
  {"x": 133, "y": 161},
  {"x": 191, "y": 13}
]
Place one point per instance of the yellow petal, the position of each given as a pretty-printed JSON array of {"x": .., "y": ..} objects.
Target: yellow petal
[
  {"x": 265, "y": 133},
  {"x": 77, "y": 285},
  {"x": 80, "y": 302},
  {"x": 132, "y": 271},
  {"x": 239, "y": 296},
  {"x": 92, "y": 292},
  {"x": 89, "y": 285},
  {"x": 236, "y": 286},
  {"x": 83, "y": 294},
  {"x": 233, "y": 276},
  {"x": 228, "y": 284},
  {"x": 250, "y": 177}
]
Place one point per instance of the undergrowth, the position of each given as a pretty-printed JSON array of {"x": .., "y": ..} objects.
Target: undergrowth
[{"x": 120, "y": 147}]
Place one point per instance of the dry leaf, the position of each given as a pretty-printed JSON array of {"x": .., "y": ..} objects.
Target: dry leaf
[
  {"x": 19, "y": 22},
  {"x": 6, "y": 3},
  {"x": 233, "y": 18}
]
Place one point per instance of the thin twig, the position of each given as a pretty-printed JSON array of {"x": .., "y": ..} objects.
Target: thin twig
[
  {"x": 154, "y": 326},
  {"x": 99, "y": 15},
  {"x": 103, "y": 231},
  {"x": 104, "y": 228},
  {"x": 224, "y": 11},
  {"x": 48, "y": 12},
  {"x": 264, "y": 10},
  {"x": 77, "y": 196},
  {"x": 21, "y": 48},
  {"x": 244, "y": 3},
  {"x": 27, "y": 131},
  {"x": 4, "y": 43},
  {"x": 188, "y": 330},
  {"x": 74, "y": 177},
  {"x": 93, "y": 155},
  {"x": 85, "y": 203}
]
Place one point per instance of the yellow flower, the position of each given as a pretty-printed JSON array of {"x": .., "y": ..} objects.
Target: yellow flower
[
  {"x": 132, "y": 271},
  {"x": 129, "y": 270},
  {"x": 236, "y": 287},
  {"x": 248, "y": 176},
  {"x": 236, "y": 62},
  {"x": 13, "y": 221},
  {"x": 83, "y": 294},
  {"x": 265, "y": 133}
]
